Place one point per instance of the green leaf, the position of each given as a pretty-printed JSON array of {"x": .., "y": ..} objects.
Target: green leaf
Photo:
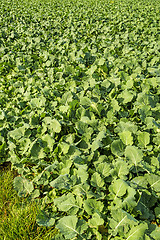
[
  {"x": 38, "y": 102},
  {"x": 117, "y": 148},
  {"x": 156, "y": 124},
  {"x": 37, "y": 151},
  {"x": 154, "y": 181},
  {"x": 121, "y": 168},
  {"x": 96, "y": 180},
  {"x": 118, "y": 188},
  {"x": 49, "y": 140},
  {"x": 156, "y": 233},
  {"x": 52, "y": 124},
  {"x": 103, "y": 169},
  {"x": 61, "y": 182},
  {"x": 23, "y": 186},
  {"x": 157, "y": 212},
  {"x": 81, "y": 127},
  {"x": 56, "y": 126},
  {"x": 126, "y": 137},
  {"x": 120, "y": 222},
  {"x": 101, "y": 61},
  {"x": 2, "y": 115},
  {"x": 71, "y": 227},
  {"x": 95, "y": 145},
  {"x": 134, "y": 154},
  {"x": 92, "y": 205},
  {"x": 144, "y": 205},
  {"x": 85, "y": 101},
  {"x": 66, "y": 203},
  {"x": 91, "y": 70},
  {"x": 129, "y": 201},
  {"x": 18, "y": 133},
  {"x": 140, "y": 182},
  {"x": 125, "y": 125},
  {"x": 127, "y": 96},
  {"x": 143, "y": 139},
  {"x": 43, "y": 219},
  {"x": 81, "y": 189},
  {"x": 82, "y": 173},
  {"x": 137, "y": 232},
  {"x": 115, "y": 105},
  {"x": 96, "y": 220},
  {"x": 65, "y": 147}
]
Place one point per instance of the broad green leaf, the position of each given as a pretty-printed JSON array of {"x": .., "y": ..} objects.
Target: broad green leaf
[
  {"x": 96, "y": 220},
  {"x": 126, "y": 125},
  {"x": 127, "y": 96},
  {"x": 81, "y": 127},
  {"x": 43, "y": 219},
  {"x": 143, "y": 138},
  {"x": 137, "y": 232},
  {"x": 81, "y": 189},
  {"x": 65, "y": 147},
  {"x": 154, "y": 181},
  {"x": 85, "y": 101},
  {"x": 64, "y": 108},
  {"x": 18, "y": 133},
  {"x": 115, "y": 80},
  {"x": 157, "y": 212},
  {"x": 133, "y": 154},
  {"x": 2, "y": 115},
  {"x": 82, "y": 173},
  {"x": 52, "y": 124},
  {"x": 61, "y": 182},
  {"x": 52, "y": 167},
  {"x": 118, "y": 188},
  {"x": 23, "y": 186},
  {"x": 66, "y": 202},
  {"x": 38, "y": 102},
  {"x": 103, "y": 169},
  {"x": 126, "y": 137},
  {"x": 92, "y": 205},
  {"x": 120, "y": 222},
  {"x": 96, "y": 180},
  {"x": 25, "y": 144},
  {"x": 117, "y": 148},
  {"x": 67, "y": 97},
  {"x": 91, "y": 70},
  {"x": 56, "y": 126},
  {"x": 35, "y": 193},
  {"x": 95, "y": 145},
  {"x": 37, "y": 151},
  {"x": 156, "y": 124},
  {"x": 49, "y": 140},
  {"x": 140, "y": 181},
  {"x": 71, "y": 227},
  {"x": 115, "y": 105},
  {"x": 129, "y": 201},
  {"x": 144, "y": 206},
  {"x": 101, "y": 61},
  {"x": 156, "y": 233},
  {"x": 121, "y": 168}
]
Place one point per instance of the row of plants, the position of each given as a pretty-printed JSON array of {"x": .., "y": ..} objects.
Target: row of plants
[{"x": 80, "y": 114}]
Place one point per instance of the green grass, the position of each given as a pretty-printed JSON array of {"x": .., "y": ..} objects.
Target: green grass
[{"x": 18, "y": 216}]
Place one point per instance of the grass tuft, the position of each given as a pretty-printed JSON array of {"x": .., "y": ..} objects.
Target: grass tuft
[{"x": 17, "y": 215}]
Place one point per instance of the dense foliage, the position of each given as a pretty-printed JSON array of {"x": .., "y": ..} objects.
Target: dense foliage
[{"x": 80, "y": 113}]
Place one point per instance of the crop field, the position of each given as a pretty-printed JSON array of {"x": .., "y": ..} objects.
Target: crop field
[{"x": 80, "y": 114}]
